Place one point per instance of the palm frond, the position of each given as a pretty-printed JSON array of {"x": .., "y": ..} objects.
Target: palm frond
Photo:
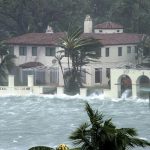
[
  {"x": 81, "y": 134},
  {"x": 94, "y": 116}
]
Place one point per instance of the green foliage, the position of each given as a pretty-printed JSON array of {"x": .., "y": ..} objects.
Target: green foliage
[
  {"x": 47, "y": 148},
  {"x": 134, "y": 15},
  {"x": 6, "y": 64},
  {"x": 80, "y": 51},
  {"x": 22, "y": 16},
  {"x": 143, "y": 51},
  {"x": 41, "y": 148},
  {"x": 102, "y": 134}
]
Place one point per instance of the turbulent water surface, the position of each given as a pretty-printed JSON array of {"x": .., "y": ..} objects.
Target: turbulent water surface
[{"x": 49, "y": 120}]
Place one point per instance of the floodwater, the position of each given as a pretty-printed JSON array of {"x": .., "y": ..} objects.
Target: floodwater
[{"x": 49, "y": 120}]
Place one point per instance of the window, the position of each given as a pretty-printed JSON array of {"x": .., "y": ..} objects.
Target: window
[
  {"x": 108, "y": 73},
  {"x": 34, "y": 51},
  {"x": 146, "y": 52},
  {"x": 22, "y": 51},
  {"x": 119, "y": 51},
  {"x": 39, "y": 76},
  {"x": 98, "y": 53},
  {"x": 98, "y": 75},
  {"x": 107, "y": 52},
  {"x": 11, "y": 50},
  {"x": 50, "y": 51},
  {"x": 24, "y": 75},
  {"x": 54, "y": 75},
  {"x": 128, "y": 49}
]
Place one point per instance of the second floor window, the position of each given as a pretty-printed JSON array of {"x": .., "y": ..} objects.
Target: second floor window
[
  {"x": 107, "y": 52},
  {"x": 34, "y": 51},
  {"x": 98, "y": 53},
  {"x": 119, "y": 51},
  {"x": 128, "y": 49},
  {"x": 50, "y": 51},
  {"x": 11, "y": 50},
  {"x": 22, "y": 50}
]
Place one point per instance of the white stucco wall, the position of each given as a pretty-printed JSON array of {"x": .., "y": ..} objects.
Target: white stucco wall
[
  {"x": 108, "y": 31},
  {"x": 113, "y": 54},
  {"x": 46, "y": 60},
  {"x": 134, "y": 75},
  {"x": 104, "y": 62}
]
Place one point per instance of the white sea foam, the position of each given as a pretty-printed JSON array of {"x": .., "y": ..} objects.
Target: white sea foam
[
  {"x": 50, "y": 119},
  {"x": 93, "y": 96}
]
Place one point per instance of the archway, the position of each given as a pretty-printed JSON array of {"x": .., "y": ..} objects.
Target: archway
[
  {"x": 125, "y": 86},
  {"x": 143, "y": 87}
]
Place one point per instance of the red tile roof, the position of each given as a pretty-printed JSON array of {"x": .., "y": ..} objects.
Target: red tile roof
[
  {"x": 31, "y": 64},
  {"x": 108, "y": 25},
  {"x": 116, "y": 38},
  {"x": 53, "y": 39},
  {"x": 36, "y": 39}
]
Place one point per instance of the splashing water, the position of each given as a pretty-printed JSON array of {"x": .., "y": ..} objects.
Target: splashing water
[{"x": 49, "y": 119}]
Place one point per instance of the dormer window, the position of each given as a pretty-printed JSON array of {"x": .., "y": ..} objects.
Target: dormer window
[{"x": 108, "y": 27}]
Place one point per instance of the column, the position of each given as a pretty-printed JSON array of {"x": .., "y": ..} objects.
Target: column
[
  {"x": 11, "y": 81},
  {"x": 30, "y": 81},
  {"x": 83, "y": 92},
  {"x": 134, "y": 88},
  {"x": 60, "y": 90}
]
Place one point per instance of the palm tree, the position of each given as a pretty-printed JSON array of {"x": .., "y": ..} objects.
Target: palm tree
[
  {"x": 103, "y": 135},
  {"x": 79, "y": 50},
  {"x": 6, "y": 63},
  {"x": 143, "y": 51}
]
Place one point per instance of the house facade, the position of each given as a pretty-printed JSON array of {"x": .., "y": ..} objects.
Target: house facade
[{"x": 36, "y": 53}]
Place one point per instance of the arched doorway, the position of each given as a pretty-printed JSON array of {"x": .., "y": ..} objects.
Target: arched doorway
[
  {"x": 143, "y": 87},
  {"x": 125, "y": 86}
]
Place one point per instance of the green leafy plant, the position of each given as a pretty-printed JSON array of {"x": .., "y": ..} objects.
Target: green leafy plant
[
  {"x": 41, "y": 148},
  {"x": 79, "y": 50},
  {"x": 104, "y": 135},
  {"x": 6, "y": 63}
]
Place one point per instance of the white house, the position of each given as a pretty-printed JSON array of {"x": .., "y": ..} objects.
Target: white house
[{"x": 35, "y": 53}]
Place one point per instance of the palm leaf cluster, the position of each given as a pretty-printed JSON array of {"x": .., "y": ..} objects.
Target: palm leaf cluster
[
  {"x": 79, "y": 50},
  {"x": 104, "y": 135}
]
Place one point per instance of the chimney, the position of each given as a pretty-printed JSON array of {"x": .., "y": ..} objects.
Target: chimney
[
  {"x": 49, "y": 29},
  {"x": 88, "y": 24}
]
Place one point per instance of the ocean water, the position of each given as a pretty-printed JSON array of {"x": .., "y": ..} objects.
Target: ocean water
[{"x": 49, "y": 120}]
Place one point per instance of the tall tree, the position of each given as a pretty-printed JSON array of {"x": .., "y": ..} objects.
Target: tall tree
[
  {"x": 143, "y": 51},
  {"x": 132, "y": 14},
  {"x": 79, "y": 50}
]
